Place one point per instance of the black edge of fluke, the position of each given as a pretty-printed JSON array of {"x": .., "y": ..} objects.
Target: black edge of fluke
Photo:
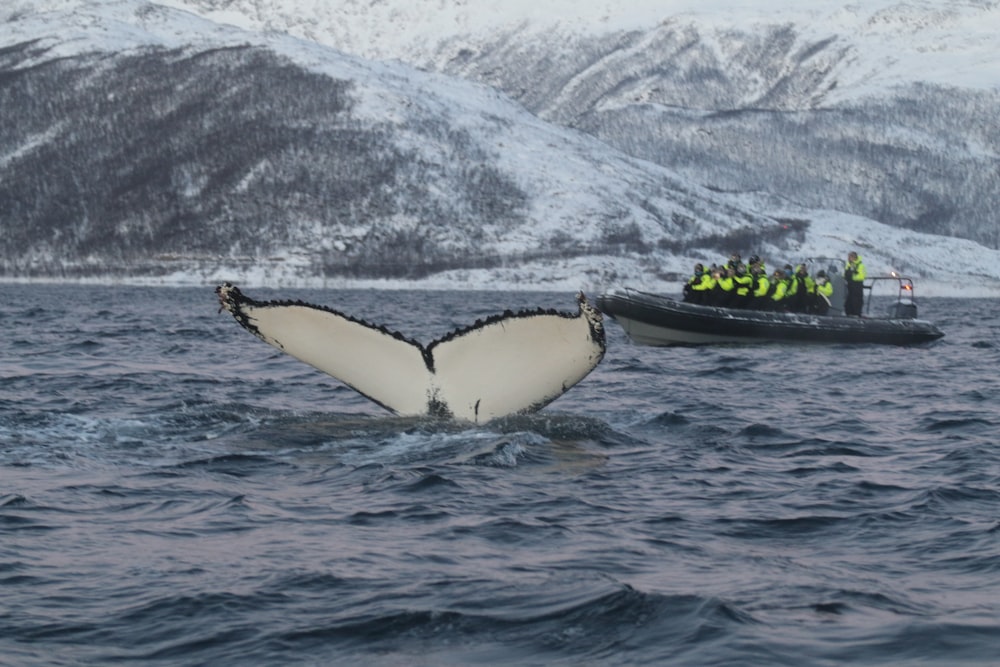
[
  {"x": 594, "y": 318},
  {"x": 232, "y": 299}
]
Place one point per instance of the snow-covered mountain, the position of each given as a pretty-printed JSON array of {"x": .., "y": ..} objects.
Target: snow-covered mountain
[
  {"x": 144, "y": 141},
  {"x": 884, "y": 109},
  {"x": 871, "y": 46}
]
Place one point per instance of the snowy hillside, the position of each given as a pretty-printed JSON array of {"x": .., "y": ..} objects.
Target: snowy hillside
[
  {"x": 146, "y": 135},
  {"x": 882, "y": 109},
  {"x": 143, "y": 143},
  {"x": 890, "y": 42}
]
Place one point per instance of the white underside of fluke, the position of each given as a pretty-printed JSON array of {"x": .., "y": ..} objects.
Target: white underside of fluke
[{"x": 507, "y": 364}]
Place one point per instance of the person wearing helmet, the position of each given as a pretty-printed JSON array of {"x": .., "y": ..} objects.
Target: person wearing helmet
[
  {"x": 742, "y": 287},
  {"x": 779, "y": 290},
  {"x": 854, "y": 274},
  {"x": 791, "y": 288},
  {"x": 824, "y": 290},
  {"x": 804, "y": 290},
  {"x": 695, "y": 279},
  {"x": 723, "y": 292},
  {"x": 761, "y": 287}
]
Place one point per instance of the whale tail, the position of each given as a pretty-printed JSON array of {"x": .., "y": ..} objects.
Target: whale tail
[{"x": 506, "y": 364}]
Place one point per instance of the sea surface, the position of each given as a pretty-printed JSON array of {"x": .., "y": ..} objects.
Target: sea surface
[{"x": 175, "y": 492}]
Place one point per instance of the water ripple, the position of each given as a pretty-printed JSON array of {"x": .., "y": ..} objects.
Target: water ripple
[{"x": 174, "y": 492}]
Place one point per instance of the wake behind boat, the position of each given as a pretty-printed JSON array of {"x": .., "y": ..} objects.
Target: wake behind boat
[{"x": 652, "y": 319}]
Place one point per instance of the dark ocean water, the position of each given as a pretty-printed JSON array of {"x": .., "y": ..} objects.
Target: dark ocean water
[{"x": 175, "y": 492}]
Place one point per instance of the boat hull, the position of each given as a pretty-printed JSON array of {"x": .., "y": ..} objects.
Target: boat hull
[{"x": 650, "y": 319}]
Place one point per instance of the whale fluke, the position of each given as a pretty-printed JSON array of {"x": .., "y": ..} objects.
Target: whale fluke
[{"x": 506, "y": 364}]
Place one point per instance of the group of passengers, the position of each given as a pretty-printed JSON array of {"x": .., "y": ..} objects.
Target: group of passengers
[{"x": 738, "y": 285}]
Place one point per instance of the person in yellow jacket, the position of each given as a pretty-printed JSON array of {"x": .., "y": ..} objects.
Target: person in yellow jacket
[
  {"x": 691, "y": 286},
  {"x": 722, "y": 295},
  {"x": 803, "y": 290},
  {"x": 761, "y": 287},
  {"x": 779, "y": 291},
  {"x": 854, "y": 274},
  {"x": 791, "y": 288},
  {"x": 742, "y": 287},
  {"x": 824, "y": 290}
]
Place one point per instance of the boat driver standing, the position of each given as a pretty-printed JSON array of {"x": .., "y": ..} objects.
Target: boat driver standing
[{"x": 854, "y": 275}]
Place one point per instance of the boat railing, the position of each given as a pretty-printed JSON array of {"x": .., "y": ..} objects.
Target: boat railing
[{"x": 904, "y": 307}]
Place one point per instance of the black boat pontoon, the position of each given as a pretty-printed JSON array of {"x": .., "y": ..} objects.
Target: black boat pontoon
[{"x": 651, "y": 319}]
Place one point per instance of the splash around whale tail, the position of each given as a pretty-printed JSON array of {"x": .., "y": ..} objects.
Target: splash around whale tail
[{"x": 506, "y": 364}]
